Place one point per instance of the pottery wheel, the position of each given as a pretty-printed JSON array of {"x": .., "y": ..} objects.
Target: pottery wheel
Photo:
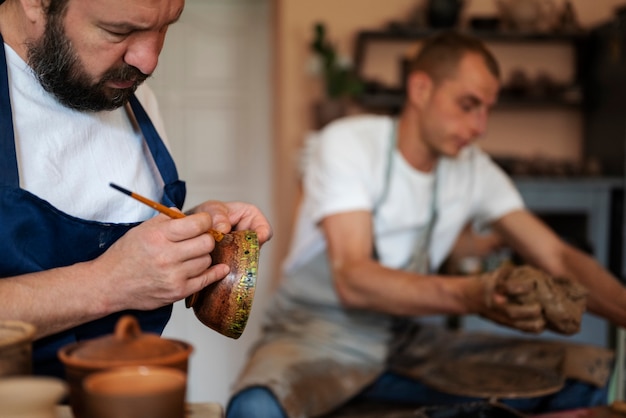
[{"x": 491, "y": 380}]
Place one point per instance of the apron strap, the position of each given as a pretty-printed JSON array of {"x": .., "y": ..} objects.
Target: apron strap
[
  {"x": 419, "y": 259},
  {"x": 383, "y": 196},
  {"x": 175, "y": 191},
  {"x": 8, "y": 158},
  {"x": 392, "y": 145},
  {"x": 161, "y": 155}
]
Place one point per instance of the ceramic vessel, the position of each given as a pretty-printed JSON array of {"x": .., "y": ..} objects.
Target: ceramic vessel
[
  {"x": 136, "y": 392},
  {"x": 30, "y": 396},
  {"x": 527, "y": 15},
  {"x": 16, "y": 351},
  {"x": 225, "y": 306},
  {"x": 443, "y": 13},
  {"x": 128, "y": 346}
]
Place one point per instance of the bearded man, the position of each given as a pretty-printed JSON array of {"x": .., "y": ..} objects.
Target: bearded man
[{"x": 75, "y": 116}]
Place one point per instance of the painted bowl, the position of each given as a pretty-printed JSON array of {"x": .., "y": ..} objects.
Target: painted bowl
[{"x": 224, "y": 306}]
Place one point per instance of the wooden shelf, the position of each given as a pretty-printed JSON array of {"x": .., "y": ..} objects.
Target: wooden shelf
[
  {"x": 392, "y": 101},
  {"x": 391, "y": 98},
  {"x": 396, "y": 32}
]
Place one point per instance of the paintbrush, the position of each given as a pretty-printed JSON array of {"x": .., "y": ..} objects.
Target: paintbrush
[{"x": 217, "y": 235}]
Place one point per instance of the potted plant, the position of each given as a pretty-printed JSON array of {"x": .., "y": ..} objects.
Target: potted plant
[{"x": 340, "y": 82}]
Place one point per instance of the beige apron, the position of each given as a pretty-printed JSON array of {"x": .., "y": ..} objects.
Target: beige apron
[
  {"x": 315, "y": 356},
  {"x": 314, "y": 360}
]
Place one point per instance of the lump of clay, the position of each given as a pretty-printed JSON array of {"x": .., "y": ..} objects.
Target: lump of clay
[{"x": 563, "y": 301}]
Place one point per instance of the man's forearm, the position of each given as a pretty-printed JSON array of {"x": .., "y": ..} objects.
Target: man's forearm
[
  {"x": 54, "y": 300},
  {"x": 607, "y": 296}
]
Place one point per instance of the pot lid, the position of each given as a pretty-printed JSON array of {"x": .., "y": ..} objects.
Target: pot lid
[{"x": 126, "y": 345}]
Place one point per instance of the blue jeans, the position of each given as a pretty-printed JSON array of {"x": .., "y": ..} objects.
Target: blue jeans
[{"x": 259, "y": 402}]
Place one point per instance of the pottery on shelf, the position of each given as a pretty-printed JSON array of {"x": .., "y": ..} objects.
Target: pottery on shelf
[{"x": 443, "y": 13}]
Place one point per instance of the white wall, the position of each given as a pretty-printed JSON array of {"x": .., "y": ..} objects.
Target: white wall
[{"x": 213, "y": 84}]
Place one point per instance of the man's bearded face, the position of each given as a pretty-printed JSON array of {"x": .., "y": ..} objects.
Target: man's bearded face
[{"x": 61, "y": 72}]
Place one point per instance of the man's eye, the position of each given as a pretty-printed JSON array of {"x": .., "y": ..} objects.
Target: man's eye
[
  {"x": 467, "y": 107},
  {"x": 469, "y": 104},
  {"x": 117, "y": 34}
]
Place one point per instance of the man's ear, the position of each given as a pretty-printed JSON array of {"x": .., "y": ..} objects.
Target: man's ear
[
  {"x": 419, "y": 88},
  {"x": 35, "y": 10}
]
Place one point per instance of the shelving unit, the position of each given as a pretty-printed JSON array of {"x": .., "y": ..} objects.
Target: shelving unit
[{"x": 391, "y": 97}]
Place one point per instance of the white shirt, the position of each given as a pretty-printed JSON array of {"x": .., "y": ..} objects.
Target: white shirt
[
  {"x": 68, "y": 158},
  {"x": 346, "y": 172}
]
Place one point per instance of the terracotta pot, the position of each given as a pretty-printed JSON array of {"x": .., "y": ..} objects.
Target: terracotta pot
[
  {"x": 225, "y": 306},
  {"x": 138, "y": 391},
  {"x": 128, "y": 346},
  {"x": 16, "y": 348}
]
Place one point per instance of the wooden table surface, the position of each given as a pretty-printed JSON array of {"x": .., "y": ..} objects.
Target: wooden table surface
[
  {"x": 598, "y": 412},
  {"x": 215, "y": 410},
  {"x": 196, "y": 410}
]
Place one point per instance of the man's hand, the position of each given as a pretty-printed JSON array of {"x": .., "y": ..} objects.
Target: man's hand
[
  {"x": 506, "y": 302},
  {"x": 238, "y": 216},
  {"x": 530, "y": 300},
  {"x": 562, "y": 300},
  {"x": 161, "y": 261}
]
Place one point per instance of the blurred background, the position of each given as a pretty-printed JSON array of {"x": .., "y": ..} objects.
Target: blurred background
[{"x": 243, "y": 83}]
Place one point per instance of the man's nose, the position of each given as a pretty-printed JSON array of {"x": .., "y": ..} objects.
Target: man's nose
[
  {"x": 479, "y": 122},
  {"x": 143, "y": 52}
]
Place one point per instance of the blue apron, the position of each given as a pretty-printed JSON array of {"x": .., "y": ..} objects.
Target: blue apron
[{"x": 35, "y": 236}]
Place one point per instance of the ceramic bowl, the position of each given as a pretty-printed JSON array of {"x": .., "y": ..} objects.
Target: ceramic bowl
[
  {"x": 225, "y": 306},
  {"x": 30, "y": 396}
]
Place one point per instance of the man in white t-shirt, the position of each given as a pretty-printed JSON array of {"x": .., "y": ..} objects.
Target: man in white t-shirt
[
  {"x": 384, "y": 202},
  {"x": 76, "y": 254}
]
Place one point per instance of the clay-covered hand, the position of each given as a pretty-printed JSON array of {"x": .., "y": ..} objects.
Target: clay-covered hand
[
  {"x": 510, "y": 302},
  {"x": 562, "y": 300}
]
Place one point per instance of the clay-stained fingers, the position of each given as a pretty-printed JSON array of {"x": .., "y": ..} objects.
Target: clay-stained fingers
[
  {"x": 517, "y": 287},
  {"x": 534, "y": 326},
  {"x": 516, "y": 311},
  {"x": 526, "y": 317}
]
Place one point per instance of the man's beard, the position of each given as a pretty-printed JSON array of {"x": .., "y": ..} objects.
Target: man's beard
[{"x": 61, "y": 73}]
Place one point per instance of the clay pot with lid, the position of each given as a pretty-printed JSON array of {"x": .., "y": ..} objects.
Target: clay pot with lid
[
  {"x": 127, "y": 346},
  {"x": 16, "y": 348}
]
